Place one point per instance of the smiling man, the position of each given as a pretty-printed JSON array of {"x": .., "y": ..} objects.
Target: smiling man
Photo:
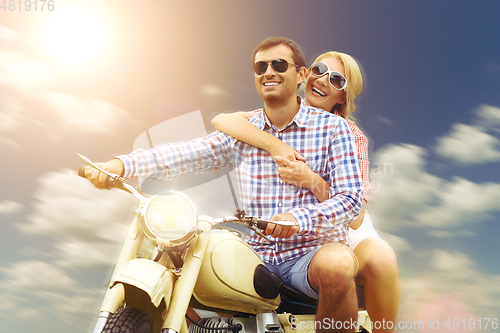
[{"x": 311, "y": 256}]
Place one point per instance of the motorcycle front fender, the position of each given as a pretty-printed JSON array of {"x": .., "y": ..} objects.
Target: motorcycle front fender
[{"x": 153, "y": 278}]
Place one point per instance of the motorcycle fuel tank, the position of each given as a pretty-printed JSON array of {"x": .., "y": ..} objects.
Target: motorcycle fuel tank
[{"x": 227, "y": 273}]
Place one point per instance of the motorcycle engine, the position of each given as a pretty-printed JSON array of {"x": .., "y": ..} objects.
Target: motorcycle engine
[{"x": 210, "y": 325}]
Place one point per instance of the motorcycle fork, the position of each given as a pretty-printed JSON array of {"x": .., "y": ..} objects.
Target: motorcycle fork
[
  {"x": 175, "y": 321},
  {"x": 114, "y": 296}
]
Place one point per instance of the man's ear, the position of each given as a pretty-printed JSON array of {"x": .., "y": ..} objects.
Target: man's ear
[{"x": 302, "y": 75}]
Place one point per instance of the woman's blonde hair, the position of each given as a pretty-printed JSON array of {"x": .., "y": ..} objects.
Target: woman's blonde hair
[{"x": 354, "y": 82}]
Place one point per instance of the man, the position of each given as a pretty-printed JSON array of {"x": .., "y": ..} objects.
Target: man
[{"x": 311, "y": 256}]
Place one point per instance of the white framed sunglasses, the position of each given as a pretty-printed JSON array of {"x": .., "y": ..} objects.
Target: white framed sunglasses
[{"x": 337, "y": 80}]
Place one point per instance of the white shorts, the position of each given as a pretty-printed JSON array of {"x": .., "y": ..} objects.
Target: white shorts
[{"x": 364, "y": 231}]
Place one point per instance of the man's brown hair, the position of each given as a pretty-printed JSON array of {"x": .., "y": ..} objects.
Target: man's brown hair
[{"x": 298, "y": 55}]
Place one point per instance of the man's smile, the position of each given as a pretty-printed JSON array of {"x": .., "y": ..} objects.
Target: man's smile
[{"x": 271, "y": 84}]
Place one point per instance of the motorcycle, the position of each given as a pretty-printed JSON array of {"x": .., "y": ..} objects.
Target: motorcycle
[{"x": 198, "y": 263}]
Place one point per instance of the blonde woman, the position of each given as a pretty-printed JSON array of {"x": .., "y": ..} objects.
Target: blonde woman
[{"x": 332, "y": 83}]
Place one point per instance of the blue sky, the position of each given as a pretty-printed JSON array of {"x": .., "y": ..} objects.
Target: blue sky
[{"x": 431, "y": 107}]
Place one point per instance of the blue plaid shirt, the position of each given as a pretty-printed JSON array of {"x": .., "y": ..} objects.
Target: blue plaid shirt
[{"x": 322, "y": 138}]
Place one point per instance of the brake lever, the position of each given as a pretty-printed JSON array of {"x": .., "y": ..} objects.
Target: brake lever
[
  {"x": 258, "y": 232},
  {"x": 249, "y": 221}
]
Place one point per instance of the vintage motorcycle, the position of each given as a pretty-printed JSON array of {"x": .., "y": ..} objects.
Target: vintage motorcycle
[{"x": 198, "y": 263}]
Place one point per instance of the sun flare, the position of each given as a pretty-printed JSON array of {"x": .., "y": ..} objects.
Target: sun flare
[{"x": 75, "y": 35}]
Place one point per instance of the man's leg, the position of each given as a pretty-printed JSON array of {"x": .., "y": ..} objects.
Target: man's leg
[{"x": 331, "y": 275}]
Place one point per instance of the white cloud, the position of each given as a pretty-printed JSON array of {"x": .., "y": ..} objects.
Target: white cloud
[
  {"x": 28, "y": 97},
  {"x": 383, "y": 119},
  {"x": 11, "y": 113},
  {"x": 461, "y": 201},
  {"x": 210, "y": 89},
  {"x": 85, "y": 114},
  {"x": 399, "y": 244},
  {"x": 86, "y": 228},
  {"x": 87, "y": 224},
  {"x": 36, "y": 290},
  {"x": 468, "y": 145},
  {"x": 23, "y": 73},
  {"x": 401, "y": 185},
  {"x": 451, "y": 283},
  {"x": 9, "y": 207},
  {"x": 33, "y": 276},
  {"x": 473, "y": 144},
  {"x": 74, "y": 253},
  {"x": 488, "y": 117},
  {"x": 408, "y": 196}
]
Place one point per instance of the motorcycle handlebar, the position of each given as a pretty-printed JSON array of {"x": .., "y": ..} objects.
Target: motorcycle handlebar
[{"x": 258, "y": 222}]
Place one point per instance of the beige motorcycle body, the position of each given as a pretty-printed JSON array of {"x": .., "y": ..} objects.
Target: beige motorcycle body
[
  {"x": 226, "y": 278},
  {"x": 217, "y": 273}
]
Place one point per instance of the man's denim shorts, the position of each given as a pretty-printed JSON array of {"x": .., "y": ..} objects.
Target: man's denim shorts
[{"x": 293, "y": 272}]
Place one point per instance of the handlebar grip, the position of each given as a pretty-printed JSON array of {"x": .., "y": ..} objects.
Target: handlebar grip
[
  {"x": 262, "y": 225},
  {"x": 109, "y": 182}
]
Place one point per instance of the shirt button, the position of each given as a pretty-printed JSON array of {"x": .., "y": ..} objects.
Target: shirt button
[
  {"x": 280, "y": 134},
  {"x": 280, "y": 204},
  {"x": 281, "y": 181}
]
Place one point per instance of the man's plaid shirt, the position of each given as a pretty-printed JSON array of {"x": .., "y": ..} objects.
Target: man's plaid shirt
[{"x": 322, "y": 138}]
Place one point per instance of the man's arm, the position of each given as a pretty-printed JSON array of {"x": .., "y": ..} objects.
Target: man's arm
[
  {"x": 184, "y": 158},
  {"x": 346, "y": 188},
  {"x": 171, "y": 160}
]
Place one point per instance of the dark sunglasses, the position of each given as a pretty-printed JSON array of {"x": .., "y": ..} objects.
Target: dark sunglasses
[
  {"x": 279, "y": 65},
  {"x": 337, "y": 80}
]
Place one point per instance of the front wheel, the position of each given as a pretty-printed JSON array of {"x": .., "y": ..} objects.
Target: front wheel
[{"x": 128, "y": 320}]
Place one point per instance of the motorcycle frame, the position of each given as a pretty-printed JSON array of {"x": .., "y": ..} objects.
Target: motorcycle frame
[{"x": 136, "y": 281}]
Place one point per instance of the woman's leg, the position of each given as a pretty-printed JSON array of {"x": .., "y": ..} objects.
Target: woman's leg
[{"x": 379, "y": 272}]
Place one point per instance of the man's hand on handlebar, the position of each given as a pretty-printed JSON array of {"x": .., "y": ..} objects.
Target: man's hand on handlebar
[
  {"x": 278, "y": 231},
  {"x": 98, "y": 178}
]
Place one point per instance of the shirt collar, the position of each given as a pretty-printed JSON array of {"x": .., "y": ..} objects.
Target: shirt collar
[{"x": 300, "y": 118}]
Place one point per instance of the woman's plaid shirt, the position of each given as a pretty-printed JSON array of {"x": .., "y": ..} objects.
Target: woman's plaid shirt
[{"x": 322, "y": 138}]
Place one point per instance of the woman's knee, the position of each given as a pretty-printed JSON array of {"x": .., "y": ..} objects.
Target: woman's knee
[{"x": 377, "y": 258}]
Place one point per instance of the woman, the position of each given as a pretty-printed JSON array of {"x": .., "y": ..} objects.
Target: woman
[{"x": 332, "y": 83}]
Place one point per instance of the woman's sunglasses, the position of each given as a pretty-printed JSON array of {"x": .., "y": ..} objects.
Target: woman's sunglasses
[
  {"x": 337, "y": 80},
  {"x": 279, "y": 65}
]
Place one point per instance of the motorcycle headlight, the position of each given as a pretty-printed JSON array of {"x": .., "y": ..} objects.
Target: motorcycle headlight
[{"x": 170, "y": 219}]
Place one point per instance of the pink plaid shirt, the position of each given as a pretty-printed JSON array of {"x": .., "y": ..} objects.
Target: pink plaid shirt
[{"x": 364, "y": 163}]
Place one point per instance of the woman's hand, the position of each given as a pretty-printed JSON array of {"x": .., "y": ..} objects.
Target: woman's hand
[
  {"x": 298, "y": 173},
  {"x": 279, "y": 148},
  {"x": 359, "y": 220},
  {"x": 294, "y": 172}
]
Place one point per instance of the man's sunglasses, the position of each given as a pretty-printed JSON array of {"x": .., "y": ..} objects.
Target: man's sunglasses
[
  {"x": 337, "y": 80},
  {"x": 279, "y": 65}
]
